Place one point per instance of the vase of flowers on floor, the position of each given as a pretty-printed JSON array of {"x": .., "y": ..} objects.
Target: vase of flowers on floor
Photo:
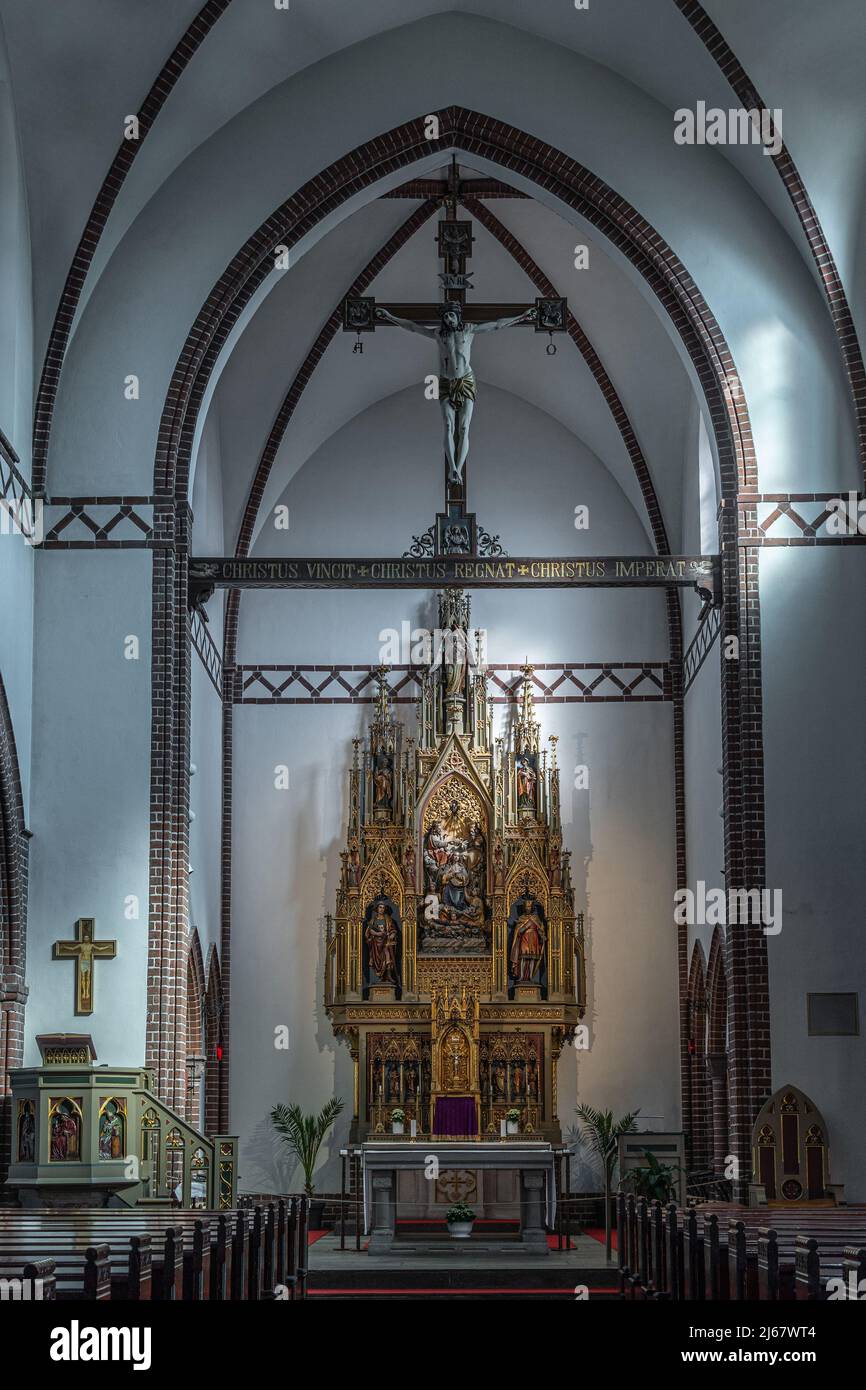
[
  {"x": 512, "y": 1122},
  {"x": 460, "y": 1220},
  {"x": 398, "y": 1119}
]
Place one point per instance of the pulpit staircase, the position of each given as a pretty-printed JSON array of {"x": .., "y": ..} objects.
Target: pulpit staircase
[{"x": 179, "y": 1166}]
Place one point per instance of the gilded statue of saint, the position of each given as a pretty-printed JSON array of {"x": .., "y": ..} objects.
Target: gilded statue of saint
[
  {"x": 527, "y": 944},
  {"x": 380, "y": 935}
]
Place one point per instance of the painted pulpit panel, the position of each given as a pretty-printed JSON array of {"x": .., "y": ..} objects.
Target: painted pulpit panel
[
  {"x": 112, "y": 1127},
  {"x": 26, "y": 1131},
  {"x": 64, "y": 1118}
]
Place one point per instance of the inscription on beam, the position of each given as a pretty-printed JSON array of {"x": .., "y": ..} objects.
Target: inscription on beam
[{"x": 602, "y": 571}]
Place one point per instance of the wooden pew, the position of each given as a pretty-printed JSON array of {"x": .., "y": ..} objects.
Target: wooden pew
[
  {"x": 854, "y": 1272},
  {"x": 78, "y": 1273},
  {"x": 179, "y": 1266},
  {"x": 622, "y": 1242},
  {"x": 657, "y": 1284},
  {"x": 716, "y": 1269},
  {"x": 37, "y": 1280},
  {"x": 129, "y": 1265},
  {"x": 815, "y": 1264},
  {"x": 183, "y": 1254}
]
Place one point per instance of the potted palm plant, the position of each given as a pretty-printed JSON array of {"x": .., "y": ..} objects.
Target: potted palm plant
[
  {"x": 601, "y": 1131},
  {"x": 512, "y": 1121},
  {"x": 657, "y": 1181},
  {"x": 460, "y": 1220},
  {"x": 304, "y": 1135},
  {"x": 398, "y": 1119}
]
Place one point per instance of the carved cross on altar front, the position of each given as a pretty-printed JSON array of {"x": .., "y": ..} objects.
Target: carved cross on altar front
[
  {"x": 362, "y": 314},
  {"x": 84, "y": 951}
]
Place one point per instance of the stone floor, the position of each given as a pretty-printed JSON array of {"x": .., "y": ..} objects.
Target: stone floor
[
  {"x": 411, "y": 1253},
  {"x": 481, "y": 1269}
]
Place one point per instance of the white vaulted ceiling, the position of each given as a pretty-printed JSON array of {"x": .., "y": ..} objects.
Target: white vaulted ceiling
[{"x": 271, "y": 96}]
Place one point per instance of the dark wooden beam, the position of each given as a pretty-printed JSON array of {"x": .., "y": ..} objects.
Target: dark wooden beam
[
  {"x": 469, "y": 188},
  {"x": 472, "y": 313},
  {"x": 502, "y": 572}
]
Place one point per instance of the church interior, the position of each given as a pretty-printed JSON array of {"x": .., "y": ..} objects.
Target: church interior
[{"x": 432, "y": 448}]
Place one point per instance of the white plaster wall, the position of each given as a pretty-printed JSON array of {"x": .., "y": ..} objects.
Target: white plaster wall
[
  {"x": 91, "y": 793},
  {"x": 16, "y": 384},
  {"x": 705, "y": 829},
  {"x": 814, "y": 670},
  {"x": 702, "y": 727},
  {"x": 205, "y": 797}
]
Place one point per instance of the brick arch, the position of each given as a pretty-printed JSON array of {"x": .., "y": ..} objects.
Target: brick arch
[
  {"x": 195, "y": 1028},
  {"x": 523, "y": 154},
  {"x": 13, "y": 920},
  {"x": 699, "y": 1130},
  {"x": 699, "y": 331},
  {"x": 717, "y": 995},
  {"x": 215, "y": 1082},
  {"x": 717, "y": 1051}
]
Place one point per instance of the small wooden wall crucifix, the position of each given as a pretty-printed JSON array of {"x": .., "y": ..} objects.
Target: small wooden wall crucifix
[{"x": 84, "y": 951}]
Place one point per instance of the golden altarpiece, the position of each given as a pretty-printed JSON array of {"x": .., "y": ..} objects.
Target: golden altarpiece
[{"x": 454, "y": 963}]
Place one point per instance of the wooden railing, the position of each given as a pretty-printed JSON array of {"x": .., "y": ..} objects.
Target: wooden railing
[{"x": 175, "y": 1161}]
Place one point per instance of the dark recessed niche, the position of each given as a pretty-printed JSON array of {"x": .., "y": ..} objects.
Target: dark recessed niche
[{"x": 832, "y": 1015}]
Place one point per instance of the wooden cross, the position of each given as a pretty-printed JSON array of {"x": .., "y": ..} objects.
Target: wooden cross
[
  {"x": 84, "y": 951},
  {"x": 455, "y": 240}
]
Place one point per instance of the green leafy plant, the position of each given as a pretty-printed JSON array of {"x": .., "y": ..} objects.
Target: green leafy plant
[
  {"x": 305, "y": 1134},
  {"x": 459, "y": 1212},
  {"x": 601, "y": 1131},
  {"x": 657, "y": 1181},
  {"x": 398, "y": 1116},
  {"x": 512, "y": 1115}
]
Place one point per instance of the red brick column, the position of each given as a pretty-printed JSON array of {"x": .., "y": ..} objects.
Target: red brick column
[{"x": 165, "y": 1044}]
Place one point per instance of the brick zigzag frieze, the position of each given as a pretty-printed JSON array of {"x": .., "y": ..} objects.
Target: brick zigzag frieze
[
  {"x": 98, "y": 523},
  {"x": 579, "y": 682},
  {"x": 798, "y": 518}
]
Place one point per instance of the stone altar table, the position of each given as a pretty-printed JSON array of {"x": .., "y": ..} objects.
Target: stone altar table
[{"x": 534, "y": 1160}]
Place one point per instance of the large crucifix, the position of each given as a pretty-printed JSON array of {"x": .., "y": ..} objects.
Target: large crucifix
[
  {"x": 453, "y": 324},
  {"x": 84, "y": 950}
]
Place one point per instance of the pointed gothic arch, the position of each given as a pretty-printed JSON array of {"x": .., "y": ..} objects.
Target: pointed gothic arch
[
  {"x": 215, "y": 1076},
  {"x": 699, "y": 1130},
  {"x": 717, "y": 1050},
  {"x": 13, "y": 919},
  {"x": 195, "y": 1032},
  {"x": 590, "y": 198}
]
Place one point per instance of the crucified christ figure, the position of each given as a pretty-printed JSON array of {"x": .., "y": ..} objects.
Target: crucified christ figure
[{"x": 456, "y": 380}]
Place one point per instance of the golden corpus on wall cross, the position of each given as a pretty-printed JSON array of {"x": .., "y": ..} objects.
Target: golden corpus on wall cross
[{"x": 84, "y": 951}]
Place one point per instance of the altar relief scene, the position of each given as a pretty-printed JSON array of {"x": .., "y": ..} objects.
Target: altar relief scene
[{"x": 454, "y": 960}]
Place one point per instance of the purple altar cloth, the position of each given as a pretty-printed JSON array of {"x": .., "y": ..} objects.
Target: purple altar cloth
[{"x": 455, "y": 1116}]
